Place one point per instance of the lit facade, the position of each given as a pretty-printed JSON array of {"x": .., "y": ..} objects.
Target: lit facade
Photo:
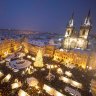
[
  {"x": 72, "y": 39},
  {"x": 9, "y": 46},
  {"x": 68, "y": 58}
]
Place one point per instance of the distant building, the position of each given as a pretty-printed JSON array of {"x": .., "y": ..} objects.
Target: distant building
[{"x": 72, "y": 39}]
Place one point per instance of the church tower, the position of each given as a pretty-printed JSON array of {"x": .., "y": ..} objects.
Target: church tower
[
  {"x": 86, "y": 27},
  {"x": 70, "y": 27}
]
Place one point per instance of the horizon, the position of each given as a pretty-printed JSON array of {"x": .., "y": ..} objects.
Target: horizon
[{"x": 45, "y": 16}]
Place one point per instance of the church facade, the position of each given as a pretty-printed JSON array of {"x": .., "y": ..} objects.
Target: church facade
[{"x": 73, "y": 39}]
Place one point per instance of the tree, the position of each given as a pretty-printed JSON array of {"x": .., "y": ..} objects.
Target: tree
[{"x": 39, "y": 59}]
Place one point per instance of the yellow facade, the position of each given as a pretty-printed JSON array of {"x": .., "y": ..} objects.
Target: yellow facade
[
  {"x": 64, "y": 57},
  {"x": 7, "y": 46},
  {"x": 77, "y": 59}
]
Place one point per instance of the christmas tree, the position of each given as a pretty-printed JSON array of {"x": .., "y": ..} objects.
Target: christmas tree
[{"x": 39, "y": 59}]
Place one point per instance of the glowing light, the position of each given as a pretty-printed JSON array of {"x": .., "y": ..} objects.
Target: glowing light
[
  {"x": 59, "y": 71},
  {"x": 7, "y": 78},
  {"x": 5, "y": 53},
  {"x": 29, "y": 56},
  {"x": 26, "y": 50},
  {"x": 55, "y": 66},
  {"x": 22, "y": 93},
  {"x": 76, "y": 84},
  {"x": 39, "y": 59},
  {"x": 68, "y": 73},
  {"x": 58, "y": 94},
  {"x": 61, "y": 50},
  {"x": 66, "y": 80},
  {"x": 1, "y": 74},
  {"x": 16, "y": 85},
  {"x": 71, "y": 82},
  {"x": 52, "y": 66},
  {"x": 60, "y": 39},
  {"x": 33, "y": 58},
  {"x": 37, "y": 87},
  {"x": 32, "y": 81},
  {"x": 90, "y": 68},
  {"x": 51, "y": 91}
]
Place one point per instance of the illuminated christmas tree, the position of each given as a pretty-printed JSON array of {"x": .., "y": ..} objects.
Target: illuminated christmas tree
[{"x": 39, "y": 59}]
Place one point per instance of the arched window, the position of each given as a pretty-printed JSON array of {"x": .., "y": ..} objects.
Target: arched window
[
  {"x": 83, "y": 33},
  {"x": 68, "y": 32}
]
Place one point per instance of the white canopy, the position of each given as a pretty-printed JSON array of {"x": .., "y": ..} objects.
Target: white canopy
[{"x": 32, "y": 81}]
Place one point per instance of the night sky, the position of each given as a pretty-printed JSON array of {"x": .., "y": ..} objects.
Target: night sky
[{"x": 45, "y": 15}]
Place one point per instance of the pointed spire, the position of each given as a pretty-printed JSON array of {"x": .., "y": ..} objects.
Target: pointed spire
[
  {"x": 72, "y": 15},
  {"x": 87, "y": 21},
  {"x": 71, "y": 21},
  {"x": 89, "y": 13}
]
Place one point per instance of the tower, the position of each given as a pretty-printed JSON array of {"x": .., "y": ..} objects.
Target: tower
[
  {"x": 86, "y": 27},
  {"x": 70, "y": 27}
]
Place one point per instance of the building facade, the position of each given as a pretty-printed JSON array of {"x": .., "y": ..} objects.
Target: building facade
[
  {"x": 67, "y": 58},
  {"x": 73, "y": 39},
  {"x": 9, "y": 46}
]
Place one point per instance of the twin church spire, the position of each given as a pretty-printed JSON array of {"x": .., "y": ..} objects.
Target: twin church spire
[
  {"x": 72, "y": 38},
  {"x": 87, "y": 21},
  {"x": 71, "y": 21},
  {"x": 84, "y": 29}
]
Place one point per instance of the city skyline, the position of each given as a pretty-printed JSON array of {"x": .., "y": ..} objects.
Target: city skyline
[
  {"x": 45, "y": 16},
  {"x": 47, "y": 48}
]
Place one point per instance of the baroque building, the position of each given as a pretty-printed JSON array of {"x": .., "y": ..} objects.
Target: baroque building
[
  {"x": 73, "y": 39},
  {"x": 9, "y": 46}
]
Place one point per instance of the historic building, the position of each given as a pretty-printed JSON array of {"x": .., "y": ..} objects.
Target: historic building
[
  {"x": 8, "y": 46},
  {"x": 75, "y": 58},
  {"x": 73, "y": 39}
]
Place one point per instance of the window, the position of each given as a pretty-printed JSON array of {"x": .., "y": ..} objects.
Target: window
[
  {"x": 83, "y": 33},
  {"x": 68, "y": 32}
]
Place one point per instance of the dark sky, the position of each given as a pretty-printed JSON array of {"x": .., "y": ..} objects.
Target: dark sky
[{"x": 45, "y": 15}]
